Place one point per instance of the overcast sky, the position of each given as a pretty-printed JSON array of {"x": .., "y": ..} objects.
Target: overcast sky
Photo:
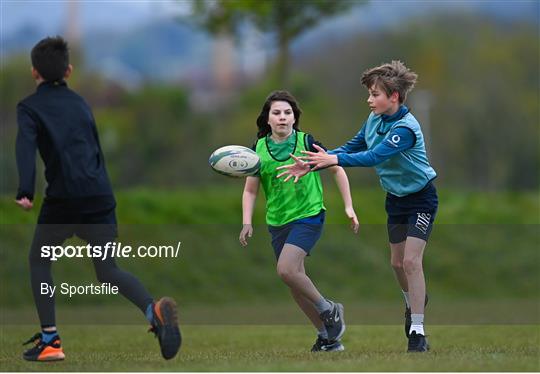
[
  {"x": 50, "y": 16},
  {"x": 112, "y": 15}
]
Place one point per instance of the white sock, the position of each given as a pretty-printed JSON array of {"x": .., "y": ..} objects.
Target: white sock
[
  {"x": 417, "y": 324},
  {"x": 322, "y": 333},
  {"x": 322, "y": 305},
  {"x": 406, "y": 296}
]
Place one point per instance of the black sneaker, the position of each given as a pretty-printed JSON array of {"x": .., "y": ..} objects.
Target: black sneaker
[
  {"x": 165, "y": 327},
  {"x": 334, "y": 321},
  {"x": 323, "y": 345},
  {"x": 42, "y": 351},
  {"x": 417, "y": 343},
  {"x": 408, "y": 320}
]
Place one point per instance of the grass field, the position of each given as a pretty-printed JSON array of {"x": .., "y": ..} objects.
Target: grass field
[
  {"x": 222, "y": 205},
  {"x": 283, "y": 348},
  {"x": 482, "y": 268}
]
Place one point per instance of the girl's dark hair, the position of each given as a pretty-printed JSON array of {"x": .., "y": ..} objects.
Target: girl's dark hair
[
  {"x": 50, "y": 57},
  {"x": 262, "y": 120}
]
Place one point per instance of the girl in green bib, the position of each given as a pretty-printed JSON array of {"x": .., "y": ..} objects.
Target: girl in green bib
[{"x": 295, "y": 212}]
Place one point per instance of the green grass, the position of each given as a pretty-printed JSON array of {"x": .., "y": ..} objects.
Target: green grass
[
  {"x": 222, "y": 205},
  {"x": 496, "y": 232},
  {"x": 283, "y": 348},
  {"x": 462, "y": 262},
  {"x": 479, "y": 238},
  {"x": 360, "y": 311}
]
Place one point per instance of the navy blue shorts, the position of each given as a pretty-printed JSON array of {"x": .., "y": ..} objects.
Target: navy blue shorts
[
  {"x": 411, "y": 215},
  {"x": 90, "y": 218},
  {"x": 303, "y": 233}
]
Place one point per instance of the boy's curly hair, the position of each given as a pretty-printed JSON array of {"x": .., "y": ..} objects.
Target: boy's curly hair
[{"x": 391, "y": 77}]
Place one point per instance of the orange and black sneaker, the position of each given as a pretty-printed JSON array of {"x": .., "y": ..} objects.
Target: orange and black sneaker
[
  {"x": 51, "y": 351},
  {"x": 165, "y": 327}
]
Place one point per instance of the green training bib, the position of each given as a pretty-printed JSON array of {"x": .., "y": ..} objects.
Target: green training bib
[{"x": 287, "y": 201}]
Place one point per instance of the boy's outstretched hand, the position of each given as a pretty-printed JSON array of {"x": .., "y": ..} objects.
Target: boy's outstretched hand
[
  {"x": 24, "y": 203},
  {"x": 351, "y": 214},
  {"x": 320, "y": 159},
  {"x": 296, "y": 170}
]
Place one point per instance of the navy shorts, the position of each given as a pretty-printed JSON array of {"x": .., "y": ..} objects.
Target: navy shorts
[
  {"x": 90, "y": 218},
  {"x": 411, "y": 215},
  {"x": 303, "y": 233}
]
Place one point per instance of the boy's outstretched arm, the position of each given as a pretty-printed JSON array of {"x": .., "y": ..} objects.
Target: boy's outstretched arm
[
  {"x": 356, "y": 144},
  {"x": 344, "y": 188},
  {"x": 249, "y": 197},
  {"x": 399, "y": 140},
  {"x": 25, "y": 153}
]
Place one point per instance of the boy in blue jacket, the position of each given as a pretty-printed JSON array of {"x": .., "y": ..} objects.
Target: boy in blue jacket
[{"x": 391, "y": 140}]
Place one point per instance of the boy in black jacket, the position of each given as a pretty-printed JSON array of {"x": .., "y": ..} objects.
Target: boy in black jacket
[{"x": 78, "y": 199}]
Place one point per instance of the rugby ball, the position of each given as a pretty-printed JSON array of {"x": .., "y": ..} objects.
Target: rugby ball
[{"x": 235, "y": 161}]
